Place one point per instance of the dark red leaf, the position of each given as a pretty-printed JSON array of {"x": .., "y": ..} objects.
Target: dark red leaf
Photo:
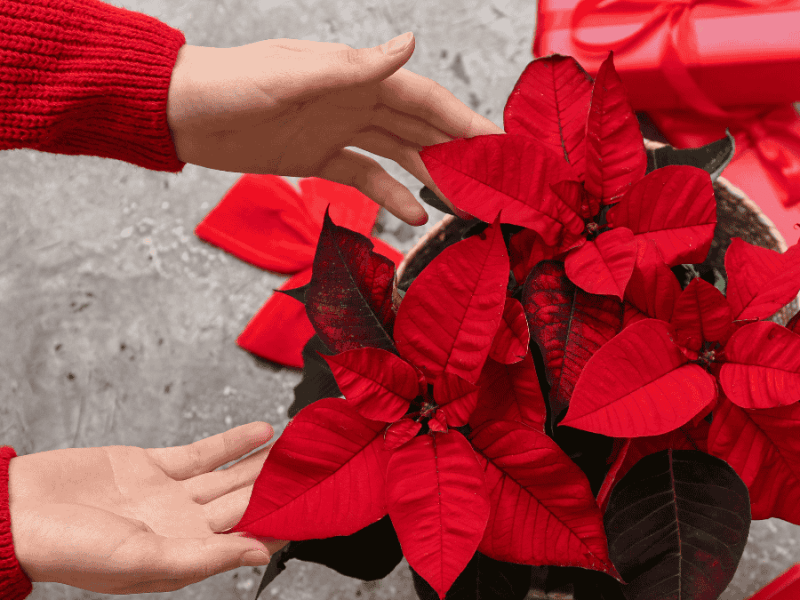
[
  {"x": 377, "y": 383},
  {"x": 762, "y": 369},
  {"x": 438, "y": 422},
  {"x": 676, "y": 207},
  {"x": 763, "y": 447},
  {"x": 458, "y": 396},
  {"x": 677, "y": 525},
  {"x": 400, "y": 432},
  {"x": 613, "y": 473},
  {"x": 510, "y": 343},
  {"x": 467, "y": 171},
  {"x": 639, "y": 384},
  {"x": 688, "y": 437},
  {"x": 653, "y": 287},
  {"x": 542, "y": 508},
  {"x": 794, "y": 323},
  {"x": 438, "y": 504},
  {"x": 615, "y": 155},
  {"x": 575, "y": 198},
  {"x": 568, "y": 325},
  {"x": 550, "y": 103},
  {"x": 702, "y": 314},
  {"x": 632, "y": 315},
  {"x": 349, "y": 299},
  {"x": 760, "y": 281},
  {"x": 604, "y": 265},
  {"x": 324, "y": 476},
  {"x": 511, "y": 393},
  {"x": 451, "y": 312}
]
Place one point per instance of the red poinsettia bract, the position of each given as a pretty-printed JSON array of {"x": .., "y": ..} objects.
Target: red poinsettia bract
[
  {"x": 561, "y": 202},
  {"x": 713, "y": 353},
  {"x": 392, "y": 445}
]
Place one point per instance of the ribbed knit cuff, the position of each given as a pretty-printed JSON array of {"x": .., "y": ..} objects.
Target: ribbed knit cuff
[
  {"x": 14, "y": 584},
  {"x": 84, "y": 77}
]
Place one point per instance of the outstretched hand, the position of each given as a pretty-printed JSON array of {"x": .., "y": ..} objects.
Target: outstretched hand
[
  {"x": 290, "y": 107},
  {"x": 127, "y": 520}
]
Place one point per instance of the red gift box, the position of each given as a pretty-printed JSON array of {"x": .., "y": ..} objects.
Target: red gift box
[{"x": 739, "y": 52}]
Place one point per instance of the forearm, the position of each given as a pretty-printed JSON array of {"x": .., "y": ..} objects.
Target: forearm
[{"x": 85, "y": 77}]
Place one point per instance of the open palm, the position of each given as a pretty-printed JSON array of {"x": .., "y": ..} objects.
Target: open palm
[{"x": 125, "y": 520}]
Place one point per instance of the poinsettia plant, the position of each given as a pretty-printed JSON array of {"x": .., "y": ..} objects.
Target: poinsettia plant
[{"x": 546, "y": 392}]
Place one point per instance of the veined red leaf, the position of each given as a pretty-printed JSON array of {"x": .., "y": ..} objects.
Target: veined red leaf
[
  {"x": 349, "y": 298},
  {"x": 702, "y": 314},
  {"x": 760, "y": 281},
  {"x": 542, "y": 508},
  {"x": 377, "y": 383},
  {"x": 568, "y": 325},
  {"x": 451, "y": 312},
  {"x": 458, "y": 395},
  {"x": 438, "y": 422},
  {"x": 762, "y": 369},
  {"x": 632, "y": 315},
  {"x": 687, "y": 437},
  {"x": 438, "y": 505},
  {"x": 488, "y": 173},
  {"x": 676, "y": 207},
  {"x": 639, "y": 384},
  {"x": 653, "y": 287},
  {"x": 400, "y": 432},
  {"x": 550, "y": 103},
  {"x": 615, "y": 154},
  {"x": 763, "y": 447},
  {"x": 510, "y": 343},
  {"x": 578, "y": 202},
  {"x": 677, "y": 525},
  {"x": 526, "y": 249},
  {"x": 511, "y": 393},
  {"x": 324, "y": 476},
  {"x": 603, "y": 265}
]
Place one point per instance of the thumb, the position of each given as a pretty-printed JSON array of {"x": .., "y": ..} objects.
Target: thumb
[{"x": 381, "y": 61}]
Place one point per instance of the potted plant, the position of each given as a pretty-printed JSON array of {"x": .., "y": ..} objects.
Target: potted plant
[{"x": 582, "y": 379}]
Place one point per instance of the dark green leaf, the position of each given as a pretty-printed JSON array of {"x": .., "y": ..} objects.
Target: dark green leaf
[
  {"x": 298, "y": 294},
  {"x": 713, "y": 157},
  {"x": 318, "y": 380},
  {"x": 433, "y": 200},
  {"x": 369, "y": 554},
  {"x": 482, "y": 579},
  {"x": 277, "y": 564}
]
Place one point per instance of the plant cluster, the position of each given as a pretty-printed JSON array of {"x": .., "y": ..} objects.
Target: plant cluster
[{"x": 546, "y": 392}]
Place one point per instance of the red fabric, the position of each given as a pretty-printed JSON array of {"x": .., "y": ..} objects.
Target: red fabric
[
  {"x": 264, "y": 221},
  {"x": 14, "y": 583},
  {"x": 785, "y": 587},
  {"x": 722, "y": 43},
  {"x": 84, "y": 77},
  {"x": 766, "y": 164}
]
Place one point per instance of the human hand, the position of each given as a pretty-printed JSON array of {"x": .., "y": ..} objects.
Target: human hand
[
  {"x": 125, "y": 520},
  {"x": 290, "y": 107}
]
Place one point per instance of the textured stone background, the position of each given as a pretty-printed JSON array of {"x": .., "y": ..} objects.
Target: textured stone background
[{"x": 119, "y": 324}]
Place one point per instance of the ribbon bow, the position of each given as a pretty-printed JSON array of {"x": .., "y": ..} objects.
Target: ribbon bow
[
  {"x": 772, "y": 133},
  {"x": 264, "y": 221}
]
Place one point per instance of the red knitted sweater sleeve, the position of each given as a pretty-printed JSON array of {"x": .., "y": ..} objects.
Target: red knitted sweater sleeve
[
  {"x": 84, "y": 77},
  {"x": 14, "y": 583}
]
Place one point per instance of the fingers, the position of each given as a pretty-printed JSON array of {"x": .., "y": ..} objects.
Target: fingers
[
  {"x": 366, "y": 175},
  {"x": 211, "y": 486},
  {"x": 203, "y": 456},
  {"x": 423, "y": 98},
  {"x": 384, "y": 144}
]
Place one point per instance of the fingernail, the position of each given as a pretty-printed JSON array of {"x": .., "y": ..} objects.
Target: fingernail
[
  {"x": 254, "y": 558},
  {"x": 397, "y": 44}
]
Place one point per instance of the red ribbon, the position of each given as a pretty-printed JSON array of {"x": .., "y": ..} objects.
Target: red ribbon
[
  {"x": 771, "y": 132},
  {"x": 264, "y": 221}
]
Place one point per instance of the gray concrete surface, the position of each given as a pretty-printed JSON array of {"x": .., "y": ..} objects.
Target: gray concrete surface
[{"x": 118, "y": 325}]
